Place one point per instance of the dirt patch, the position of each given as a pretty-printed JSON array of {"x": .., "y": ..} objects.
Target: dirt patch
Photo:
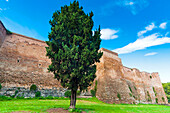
[
  {"x": 60, "y": 110},
  {"x": 86, "y": 101}
]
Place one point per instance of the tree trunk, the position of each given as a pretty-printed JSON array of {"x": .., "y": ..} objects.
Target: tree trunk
[{"x": 73, "y": 99}]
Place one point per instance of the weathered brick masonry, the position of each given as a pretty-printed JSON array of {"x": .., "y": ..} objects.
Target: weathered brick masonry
[{"x": 23, "y": 63}]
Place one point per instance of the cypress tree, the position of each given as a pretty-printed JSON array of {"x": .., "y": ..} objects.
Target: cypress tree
[{"x": 73, "y": 48}]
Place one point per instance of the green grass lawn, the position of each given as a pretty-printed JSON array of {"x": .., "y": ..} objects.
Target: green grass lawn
[{"x": 89, "y": 105}]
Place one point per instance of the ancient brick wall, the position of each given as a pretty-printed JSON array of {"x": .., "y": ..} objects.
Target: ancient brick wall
[
  {"x": 2, "y": 33},
  {"x": 23, "y": 62},
  {"x": 131, "y": 85}
]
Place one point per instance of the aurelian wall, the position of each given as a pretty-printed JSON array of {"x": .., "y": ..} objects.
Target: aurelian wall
[
  {"x": 23, "y": 62},
  {"x": 120, "y": 84}
]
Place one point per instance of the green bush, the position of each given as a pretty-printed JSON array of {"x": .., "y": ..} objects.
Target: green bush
[
  {"x": 20, "y": 97},
  {"x": 168, "y": 97},
  {"x": 118, "y": 95},
  {"x": 67, "y": 93},
  {"x": 93, "y": 93},
  {"x": 156, "y": 100},
  {"x": 0, "y": 86},
  {"x": 38, "y": 94},
  {"x": 50, "y": 97},
  {"x": 163, "y": 99},
  {"x": 2, "y": 98},
  {"x": 149, "y": 97},
  {"x": 33, "y": 87},
  {"x": 16, "y": 92}
]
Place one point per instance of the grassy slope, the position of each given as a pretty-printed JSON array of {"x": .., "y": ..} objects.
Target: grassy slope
[{"x": 86, "y": 104}]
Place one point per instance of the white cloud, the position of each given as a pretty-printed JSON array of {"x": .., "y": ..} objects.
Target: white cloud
[
  {"x": 0, "y": 9},
  {"x": 7, "y": 0},
  {"x": 148, "y": 28},
  {"x": 107, "y": 34},
  {"x": 163, "y": 25},
  {"x": 151, "y": 54},
  {"x": 143, "y": 43}
]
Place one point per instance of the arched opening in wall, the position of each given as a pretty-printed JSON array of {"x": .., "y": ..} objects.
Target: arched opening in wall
[
  {"x": 18, "y": 60},
  {"x": 150, "y": 77}
]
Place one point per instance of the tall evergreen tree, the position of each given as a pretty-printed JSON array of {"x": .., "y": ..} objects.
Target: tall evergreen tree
[{"x": 73, "y": 48}]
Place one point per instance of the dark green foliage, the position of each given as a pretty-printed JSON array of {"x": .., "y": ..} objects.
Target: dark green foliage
[
  {"x": 20, "y": 97},
  {"x": 130, "y": 89},
  {"x": 2, "y": 98},
  {"x": 72, "y": 47},
  {"x": 0, "y": 86},
  {"x": 168, "y": 97},
  {"x": 95, "y": 87},
  {"x": 33, "y": 87},
  {"x": 67, "y": 93},
  {"x": 38, "y": 94},
  {"x": 154, "y": 91},
  {"x": 8, "y": 32},
  {"x": 16, "y": 92},
  {"x": 149, "y": 97},
  {"x": 130, "y": 94},
  {"x": 156, "y": 100},
  {"x": 163, "y": 99},
  {"x": 118, "y": 95},
  {"x": 78, "y": 92},
  {"x": 166, "y": 87},
  {"x": 135, "y": 88},
  {"x": 93, "y": 93}
]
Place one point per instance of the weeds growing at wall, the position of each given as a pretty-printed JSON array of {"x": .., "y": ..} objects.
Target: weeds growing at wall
[
  {"x": 93, "y": 91},
  {"x": 149, "y": 97},
  {"x": 154, "y": 91},
  {"x": 118, "y": 96}
]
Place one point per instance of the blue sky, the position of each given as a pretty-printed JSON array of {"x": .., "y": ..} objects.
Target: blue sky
[{"x": 137, "y": 29}]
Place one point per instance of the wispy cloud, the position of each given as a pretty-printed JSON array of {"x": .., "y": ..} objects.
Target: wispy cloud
[
  {"x": 143, "y": 43},
  {"x": 6, "y": 0},
  {"x": 133, "y": 5},
  {"x": 147, "y": 28},
  {"x": 163, "y": 25},
  {"x": 151, "y": 54},
  {"x": 107, "y": 34}
]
